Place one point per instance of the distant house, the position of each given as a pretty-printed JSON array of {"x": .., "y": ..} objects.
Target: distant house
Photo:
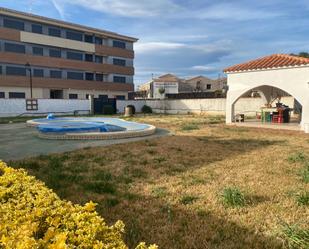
[{"x": 170, "y": 84}]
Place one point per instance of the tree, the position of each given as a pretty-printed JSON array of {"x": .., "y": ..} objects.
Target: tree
[{"x": 302, "y": 54}]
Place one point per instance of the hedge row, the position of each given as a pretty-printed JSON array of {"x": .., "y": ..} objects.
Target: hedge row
[{"x": 33, "y": 216}]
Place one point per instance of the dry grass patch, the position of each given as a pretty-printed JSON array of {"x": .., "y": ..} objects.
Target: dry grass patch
[{"x": 168, "y": 190}]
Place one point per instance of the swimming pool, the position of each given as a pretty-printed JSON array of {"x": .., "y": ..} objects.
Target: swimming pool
[{"x": 89, "y": 128}]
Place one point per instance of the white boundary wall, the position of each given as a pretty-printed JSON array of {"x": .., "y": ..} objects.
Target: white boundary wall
[
  {"x": 249, "y": 106},
  {"x": 14, "y": 107}
]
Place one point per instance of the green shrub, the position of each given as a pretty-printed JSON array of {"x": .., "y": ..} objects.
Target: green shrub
[
  {"x": 33, "y": 216},
  {"x": 303, "y": 198},
  {"x": 108, "y": 110},
  {"x": 146, "y": 109},
  {"x": 295, "y": 236},
  {"x": 233, "y": 197}
]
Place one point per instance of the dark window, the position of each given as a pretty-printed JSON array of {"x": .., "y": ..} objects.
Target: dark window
[
  {"x": 120, "y": 79},
  {"x": 56, "y": 94},
  {"x": 89, "y": 57},
  {"x": 103, "y": 97},
  {"x": 13, "y": 24},
  {"x": 37, "y": 51},
  {"x": 74, "y": 56},
  {"x": 55, "y": 74},
  {"x": 98, "y": 59},
  {"x": 75, "y": 76},
  {"x": 16, "y": 48},
  {"x": 54, "y": 32},
  {"x": 0, "y": 69},
  {"x": 74, "y": 36},
  {"x": 89, "y": 76},
  {"x": 2, "y": 95},
  {"x": 36, "y": 28},
  {"x": 73, "y": 96},
  {"x": 38, "y": 73},
  {"x": 55, "y": 53},
  {"x": 89, "y": 38},
  {"x": 119, "y": 62},
  {"x": 17, "y": 95},
  {"x": 87, "y": 96},
  {"x": 10, "y": 70},
  {"x": 99, "y": 77},
  {"x": 98, "y": 40},
  {"x": 208, "y": 86},
  {"x": 119, "y": 44},
  {"x": 120, "y": 97}
]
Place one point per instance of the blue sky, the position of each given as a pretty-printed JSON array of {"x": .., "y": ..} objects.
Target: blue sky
[{"x": 188, "y": 37}]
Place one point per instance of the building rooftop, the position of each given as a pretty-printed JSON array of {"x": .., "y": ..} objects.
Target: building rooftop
[
  {"x": 55, "y": 22},
  {"x": 267, "y": 62}
]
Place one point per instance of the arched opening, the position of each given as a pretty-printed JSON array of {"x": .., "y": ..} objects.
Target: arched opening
[{"x": 266, "y": 105}]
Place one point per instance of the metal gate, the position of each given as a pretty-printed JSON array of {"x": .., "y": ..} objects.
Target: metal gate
[{"x": 100, "y": 103}]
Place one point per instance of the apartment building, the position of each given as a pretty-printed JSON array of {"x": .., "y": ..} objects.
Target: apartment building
[{"x": 50, "y": 58}]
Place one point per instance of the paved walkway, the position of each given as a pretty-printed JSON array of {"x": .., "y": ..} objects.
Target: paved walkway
[
  {"x": 293, "y": 126},
  {"x": 18, "y": 141}
]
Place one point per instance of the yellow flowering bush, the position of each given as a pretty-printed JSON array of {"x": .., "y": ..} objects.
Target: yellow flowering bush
[{"x": 33, "y": 216}]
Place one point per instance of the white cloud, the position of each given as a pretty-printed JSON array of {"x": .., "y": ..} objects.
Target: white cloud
[
  {"x": 147, "y": 47},
  {"x": 60, "y": 8},
  {"x": 231, "y": 11},
  {"x": 128, "y": 8},
  {"x": 203, "y": 68}
]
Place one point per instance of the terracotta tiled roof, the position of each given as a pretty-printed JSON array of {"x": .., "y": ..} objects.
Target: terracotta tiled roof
[
  {"x": 271, "y": 61},
  {"x": 167, "y": 78}
]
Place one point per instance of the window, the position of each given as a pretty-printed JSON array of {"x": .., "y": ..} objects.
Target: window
[
  {"x": 75, "y": 76},
  {"x": 38, "y": 73},
  {"x": 20, "y": 71},
  {"x": 55, "y": 74},
  {"x": 119, "y": 62},
  {"x": 89, "y": 76},
  {"x": 99, "y": 77},
  {"x": 119, "y": 44},
  {"x": 0, "y": 69},
  {"x": 73, "y": 96},
  {"x": 74, "y": 36},
  {"x": 13, "y": 24},
  {"x": 17, "y": 95},
  {"x": 98, "y": 41},
  {"x": 89, "y": 38},
  {"x": 87, "y": 96},
  {"x": 56, "y": 94},
  {"x": 74, "y": 56},
  {"x": 55, "y": 53},
  {"x": 103, "y": 97},
  {"x": 98, "y": 59},
  {"x": 36, "y": 28},
  {"x": 54, "y": 32},
  {"x": 89, "y": 57},
  {"x": 15, "y": 48},
  {"x": 208, "y": 86},
  {"x": 2, "y": 95},
  {"x": 120, "y": 79},
  {"x": 37, "y": 51},
  {"x": 120, "y": 97}
]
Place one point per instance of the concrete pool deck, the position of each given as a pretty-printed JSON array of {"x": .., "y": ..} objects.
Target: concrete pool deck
[{"x": 17, "y": 141}]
